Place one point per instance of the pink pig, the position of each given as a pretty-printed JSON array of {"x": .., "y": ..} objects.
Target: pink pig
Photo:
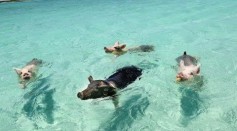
[
  {"x": 119, "y": 49},
  {"x": 115, "y": 47},
  {"x": 188, "y": 67}
]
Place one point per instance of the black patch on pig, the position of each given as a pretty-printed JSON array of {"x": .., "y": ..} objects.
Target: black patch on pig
[
  {"x": 125, "y": 76},
  {"x": 188, "y": 60}
]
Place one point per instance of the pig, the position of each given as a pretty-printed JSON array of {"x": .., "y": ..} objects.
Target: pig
[
  {"x": 109, "y": 87},
  {"x": 119, "y": 49},
  {"x": 29, "y": 72},
  {"x": 115, "y": 47},
  {"x": 188, "y": 67}
]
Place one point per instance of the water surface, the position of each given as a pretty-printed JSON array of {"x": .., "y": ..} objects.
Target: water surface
[{"x": 70, "y": 35}]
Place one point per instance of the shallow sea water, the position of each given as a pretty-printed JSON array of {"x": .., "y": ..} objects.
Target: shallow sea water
[{"x": 70, "y": 35}]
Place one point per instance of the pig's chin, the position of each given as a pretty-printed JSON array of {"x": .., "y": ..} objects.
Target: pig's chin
[
  {"x": 27, "y": 78},
  {"x": 93, "y": 97},
  {"x": 107, "y": 50},
  {"x": 186, "y": 78},
  {"x": 86, "y": 98}
]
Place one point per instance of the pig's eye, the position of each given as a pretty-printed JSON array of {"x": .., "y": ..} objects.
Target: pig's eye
[
  {"x": 191, "y": 73},
  {"x": 29, "y": 71}
]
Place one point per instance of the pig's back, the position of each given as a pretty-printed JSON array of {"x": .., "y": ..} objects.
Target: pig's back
[
  {"x": 188, "y": 60},
  {"x": 35, "y": 61},
  {"x": 125, "y": 76}
]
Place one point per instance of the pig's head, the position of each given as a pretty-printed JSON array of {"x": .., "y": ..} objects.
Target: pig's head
[
  {"x": 25, "y": 74},
  {"x": 97, "y": 89},
  {"x": 187, "y": 72},
  {"x": 115, "y": 47}
]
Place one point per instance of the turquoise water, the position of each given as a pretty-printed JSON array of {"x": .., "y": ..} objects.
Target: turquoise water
[{"x": 70, "y": 35}]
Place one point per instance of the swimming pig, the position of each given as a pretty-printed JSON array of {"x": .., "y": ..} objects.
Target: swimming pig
[
  {"x": 116, "y": 46},
  {"x": 28, "y": 72},
  {"x": 118, "y": 49},
  {"x": 188, "y": 67},
  {"x": 104, "y": 88}
]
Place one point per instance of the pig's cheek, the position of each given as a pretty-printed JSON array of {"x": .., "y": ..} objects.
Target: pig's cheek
[{"x": 185, "y": 77}]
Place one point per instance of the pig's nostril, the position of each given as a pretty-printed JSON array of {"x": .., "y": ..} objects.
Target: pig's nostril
[
  {"x": 80, "y": 95},
  {"x": 25, "y": 74}
]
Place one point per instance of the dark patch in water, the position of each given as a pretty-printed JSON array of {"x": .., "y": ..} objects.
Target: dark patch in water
[
  {"x": 191, "y": 103},
  {"x": 40, "y": 103},
  {"x": 145, "y": 64},
  {"x": 123, "y": 117}
]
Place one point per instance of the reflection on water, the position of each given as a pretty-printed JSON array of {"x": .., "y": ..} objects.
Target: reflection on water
[
  {"x": 197, "y": 83},
  {"x": 39, "y": 102},
  {"x": 123, "y": 117},
  {"x": 190, "y": 102}
]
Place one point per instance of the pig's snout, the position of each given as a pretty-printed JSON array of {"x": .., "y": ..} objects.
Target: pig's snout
[
  {"x": 80, "y": 95},
  {"x": 180, "y": 77}
]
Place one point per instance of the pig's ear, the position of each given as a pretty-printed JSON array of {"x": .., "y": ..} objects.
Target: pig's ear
[
  {"x": 122, "y": 46},
  {"x": 116, "y": 43},
  {"x": 18, "y": 71},
  {"x": 90, "y": 78},
  {"x": 181, "y": 63}
]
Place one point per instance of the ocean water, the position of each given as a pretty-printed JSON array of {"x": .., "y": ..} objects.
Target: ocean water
[{"x": 69, "y": 37}]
